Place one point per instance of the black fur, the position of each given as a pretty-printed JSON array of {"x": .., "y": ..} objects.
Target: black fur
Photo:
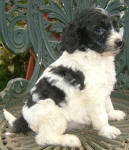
[
  {"x": 30, "y": 101},
  {"x": 45, "y": 90},
  {"x": 21, "y": 126},
  {"x": 89, "y": 29},
  {"x": 74, "y": 78}
]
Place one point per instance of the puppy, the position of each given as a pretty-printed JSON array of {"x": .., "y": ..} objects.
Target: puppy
[{"x": 76, "y": 88}]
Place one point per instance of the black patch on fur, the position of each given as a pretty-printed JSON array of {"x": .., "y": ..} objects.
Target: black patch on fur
[
  {"x": 90, "y": 29},
  {"x": 72, "y": 77},
  {"x": 30, "y": 101},
  {"x": 21, "y": 126},
  {"x": 45, "y": 90}
]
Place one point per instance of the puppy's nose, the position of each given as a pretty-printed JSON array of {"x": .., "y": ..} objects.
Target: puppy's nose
[{"x": 119, "y": 43}]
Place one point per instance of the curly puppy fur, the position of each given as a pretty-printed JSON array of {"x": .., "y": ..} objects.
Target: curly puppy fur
[{"x": 75, "y": 89}]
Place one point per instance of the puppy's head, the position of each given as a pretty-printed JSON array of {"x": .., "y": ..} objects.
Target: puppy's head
[{"x": 94, "y": 29}]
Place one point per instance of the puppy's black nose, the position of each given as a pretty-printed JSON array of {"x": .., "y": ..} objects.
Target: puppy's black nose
[{"x": 119, "y": 43}]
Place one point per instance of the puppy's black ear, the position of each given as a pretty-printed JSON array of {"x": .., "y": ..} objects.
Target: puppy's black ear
[{"x": 70, "y": 38}]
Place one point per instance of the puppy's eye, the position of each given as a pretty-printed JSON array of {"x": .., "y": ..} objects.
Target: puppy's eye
[{"x": 100, "y": 30}]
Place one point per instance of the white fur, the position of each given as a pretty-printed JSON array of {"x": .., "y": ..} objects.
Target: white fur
[
  {"x": 9, "y": 117},
  {"x": 103, "y": 11},
  {"x": 114, "y": 36},
  {"x": 35, "y": 97}
]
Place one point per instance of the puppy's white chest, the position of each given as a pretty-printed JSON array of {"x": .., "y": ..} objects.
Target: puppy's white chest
[{"x": 100, "y": 72}]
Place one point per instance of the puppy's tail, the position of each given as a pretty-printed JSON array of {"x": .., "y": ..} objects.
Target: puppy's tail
[{"x": 19, "y": 125}]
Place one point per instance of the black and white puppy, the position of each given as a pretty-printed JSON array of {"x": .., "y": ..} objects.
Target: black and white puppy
[{"x": 76, "y": 88}]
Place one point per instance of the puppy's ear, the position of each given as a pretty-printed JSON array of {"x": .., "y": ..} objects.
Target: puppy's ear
[{"x": 70, "y": 38}]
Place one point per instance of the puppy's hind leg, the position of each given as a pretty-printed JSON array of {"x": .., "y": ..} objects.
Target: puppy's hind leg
[
  {"x": 9, "y": 117},
  {"x": 54, "y": 139},
  {"x": 49, "y": 135}
]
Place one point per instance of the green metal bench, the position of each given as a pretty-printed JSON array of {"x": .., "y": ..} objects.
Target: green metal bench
[{"x": 39, "y": 21}]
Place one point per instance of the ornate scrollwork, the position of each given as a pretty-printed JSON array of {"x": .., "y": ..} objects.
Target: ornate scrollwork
[
  {"x": 15, "y": 92},
  {"x": 13, "y": 19}
]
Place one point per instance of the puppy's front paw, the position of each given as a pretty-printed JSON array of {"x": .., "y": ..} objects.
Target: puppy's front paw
[
  {"x": 109, "y": 132},
  {"x": 116, "y": 115}
]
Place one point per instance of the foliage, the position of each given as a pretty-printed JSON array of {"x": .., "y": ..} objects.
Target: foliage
[{"x": 11, "y": 66}]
